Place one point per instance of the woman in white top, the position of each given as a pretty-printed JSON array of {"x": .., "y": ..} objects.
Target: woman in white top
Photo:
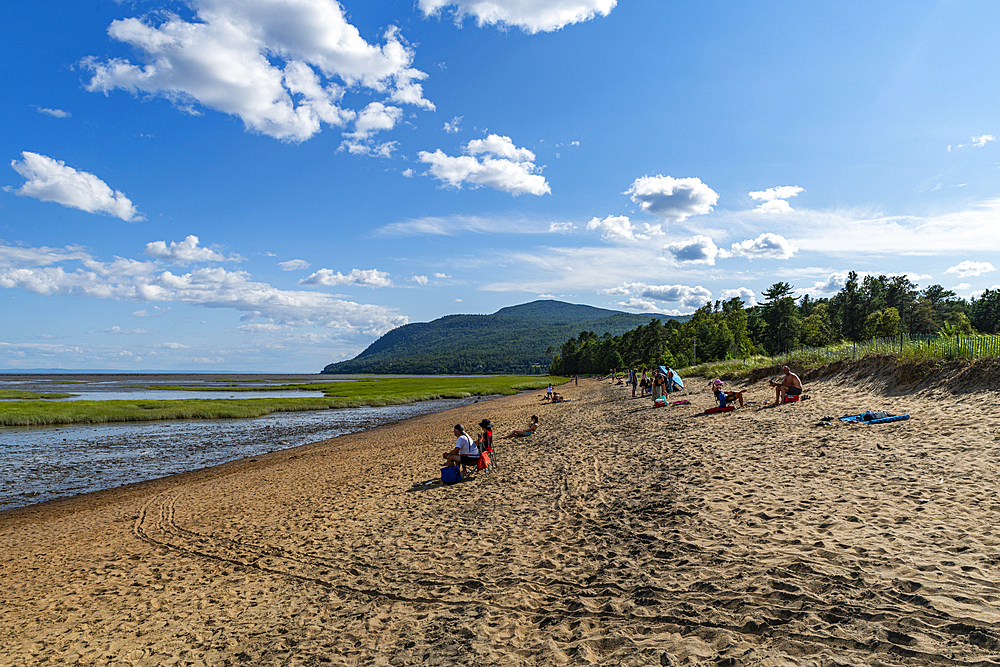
[{"x": 465, "y": 451}]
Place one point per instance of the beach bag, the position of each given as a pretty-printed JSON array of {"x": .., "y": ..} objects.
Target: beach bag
[
  {"x": 483, "y": 462},
  {"x": 660, "y": 402},
  {"x": 451, "y": 474}
]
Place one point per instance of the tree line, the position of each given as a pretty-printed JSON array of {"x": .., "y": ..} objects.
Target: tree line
[{"x": 865, "y": 308}]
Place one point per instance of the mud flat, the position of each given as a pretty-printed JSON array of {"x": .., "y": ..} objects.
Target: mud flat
[{"x": 618, "y": 534}]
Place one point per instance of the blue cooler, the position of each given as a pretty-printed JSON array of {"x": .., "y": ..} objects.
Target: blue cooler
[{"x": 451, "y": 474}]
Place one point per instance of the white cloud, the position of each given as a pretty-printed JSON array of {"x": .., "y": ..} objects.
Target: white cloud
[
  {"x": 744, "y": 293},
  {"x": 118, "y": 330},
  {"x": 186, "y": 252},
  {"x": 623, "y": 289},
  {"x": 503, "y": 167},
  {"x": 647, "y": 306},
  {"x": 281, "y": 66},
  {"x": 561, "y": 227},
  {"x": 442, "y": 276},
  {"x": 531, "y": 16},
  {"x": 408, "y": 173},
  {"x": 49, "y": 272},
  {"x": 690, "y": 297},
  {"x": 972, "y": 230},
  {"x": 294, "y": 265},
  {"x": 368, "y": 147},
  {"x": 456, "y": 224},
  {"x": 420, "y": 280},
  {"x": 620, "y": 228},
  {"x": 155, "y": 311},
  {"x": 696, "y": 250},
  {"x": 833, "y": 284},
  {"x": 765, "y": 246},
  {"x": 364, "y": 278},
  {"x": 376, "y": 117},
  {"x": 51, "y": 180},
  {"x": 454, "y": 125},
  {"x": 672, "y": 199},
  {"x": 55, "y": 113},
  {"x": 774, "y": 199},
  {"x": 980, "y": 141},
  {"x": 969, "y": 268}
]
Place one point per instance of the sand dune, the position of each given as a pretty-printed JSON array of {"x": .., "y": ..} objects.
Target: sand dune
[{"x": 619, "y": 534}]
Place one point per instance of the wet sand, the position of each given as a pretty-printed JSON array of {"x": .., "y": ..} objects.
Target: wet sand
[{"x": 618, "y": 534}]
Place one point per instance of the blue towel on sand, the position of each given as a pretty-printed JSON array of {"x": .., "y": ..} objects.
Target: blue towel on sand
[{"x": 860, "y": 419}]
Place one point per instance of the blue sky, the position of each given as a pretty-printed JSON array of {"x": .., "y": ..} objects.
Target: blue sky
[{"x": 269, "y": 185}]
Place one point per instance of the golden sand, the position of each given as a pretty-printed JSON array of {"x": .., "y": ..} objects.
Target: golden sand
[{"x": 619, "y": 534}]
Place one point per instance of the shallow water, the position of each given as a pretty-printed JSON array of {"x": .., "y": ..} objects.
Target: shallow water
[{"x": 46, "y": 463}]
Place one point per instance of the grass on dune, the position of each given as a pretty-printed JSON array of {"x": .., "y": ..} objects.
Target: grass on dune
[
  {"x": 908, "y": 349},
  {"x": 375, "y": 392}
]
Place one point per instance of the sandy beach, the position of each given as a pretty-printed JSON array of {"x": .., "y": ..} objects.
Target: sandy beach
[{"x": 619, "y": 534}]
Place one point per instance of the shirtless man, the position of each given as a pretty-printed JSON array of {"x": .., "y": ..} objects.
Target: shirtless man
[{"x": 790, "y": 385}]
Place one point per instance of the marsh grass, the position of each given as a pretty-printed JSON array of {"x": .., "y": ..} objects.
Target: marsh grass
[
  {"x": 31, "y": 395},
  {"x": 374, "y": 392}
]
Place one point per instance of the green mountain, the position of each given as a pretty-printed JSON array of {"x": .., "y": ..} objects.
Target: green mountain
[{"x": 511, "y": 340}]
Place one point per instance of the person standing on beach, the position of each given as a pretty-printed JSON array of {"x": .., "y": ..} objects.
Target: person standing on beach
[
  {"x": 465, "y": 451},
  {"x": 790, "y": 385}
]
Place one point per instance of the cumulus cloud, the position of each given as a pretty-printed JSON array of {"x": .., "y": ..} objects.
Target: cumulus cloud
[
  {"x": 765, "y": 246},
  {"x": 833, "y": 284},
  {"x": 281, "y": 66},
  {"x": 364, "y": 278},
  {"x": 623, "y": 289},
  {"x": 48, "y": 179},
  {"x": 55, "y": 272},
  {"x": 454, "y": 125},
  {"x": 696, "y": 250},
  {"x": 294, "y": 265},
  {"x": 186, "y": 252},
  {"x": 561, "y": 227},
  {"x": 648, "y": 306},
  {"x": 744, "y": 293},
  {"x": 620, "y": 228},
  {"x": 774, "y": 200},
  {"x": 420, "y": 280},
  {"x": 502, "y": 166},
  {"x": 969, "y": 268},
  {"x": 672, "y": 199},
  {"x": 689, "y": 297},
  {"x": 530, "y": 16}
]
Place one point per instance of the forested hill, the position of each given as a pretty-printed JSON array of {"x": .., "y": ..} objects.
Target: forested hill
[{"x": 512, "y": 340}]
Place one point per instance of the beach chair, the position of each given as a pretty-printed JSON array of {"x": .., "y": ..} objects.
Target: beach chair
[{"x": 487, "y": 455}]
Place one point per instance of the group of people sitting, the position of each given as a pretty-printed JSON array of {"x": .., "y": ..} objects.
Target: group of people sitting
[
  {"x": 657, "y": 386},
  {"x": 466, "y": 451},
  {"x": 790, "y": 385}
]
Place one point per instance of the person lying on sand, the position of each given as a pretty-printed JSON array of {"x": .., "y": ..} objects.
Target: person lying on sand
[
  {"x": 724, "y": 397},
  {"x": 465, "y": 451},
  {"x": 790, "y": 385},
  {"x": 532, "y": 428}
]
